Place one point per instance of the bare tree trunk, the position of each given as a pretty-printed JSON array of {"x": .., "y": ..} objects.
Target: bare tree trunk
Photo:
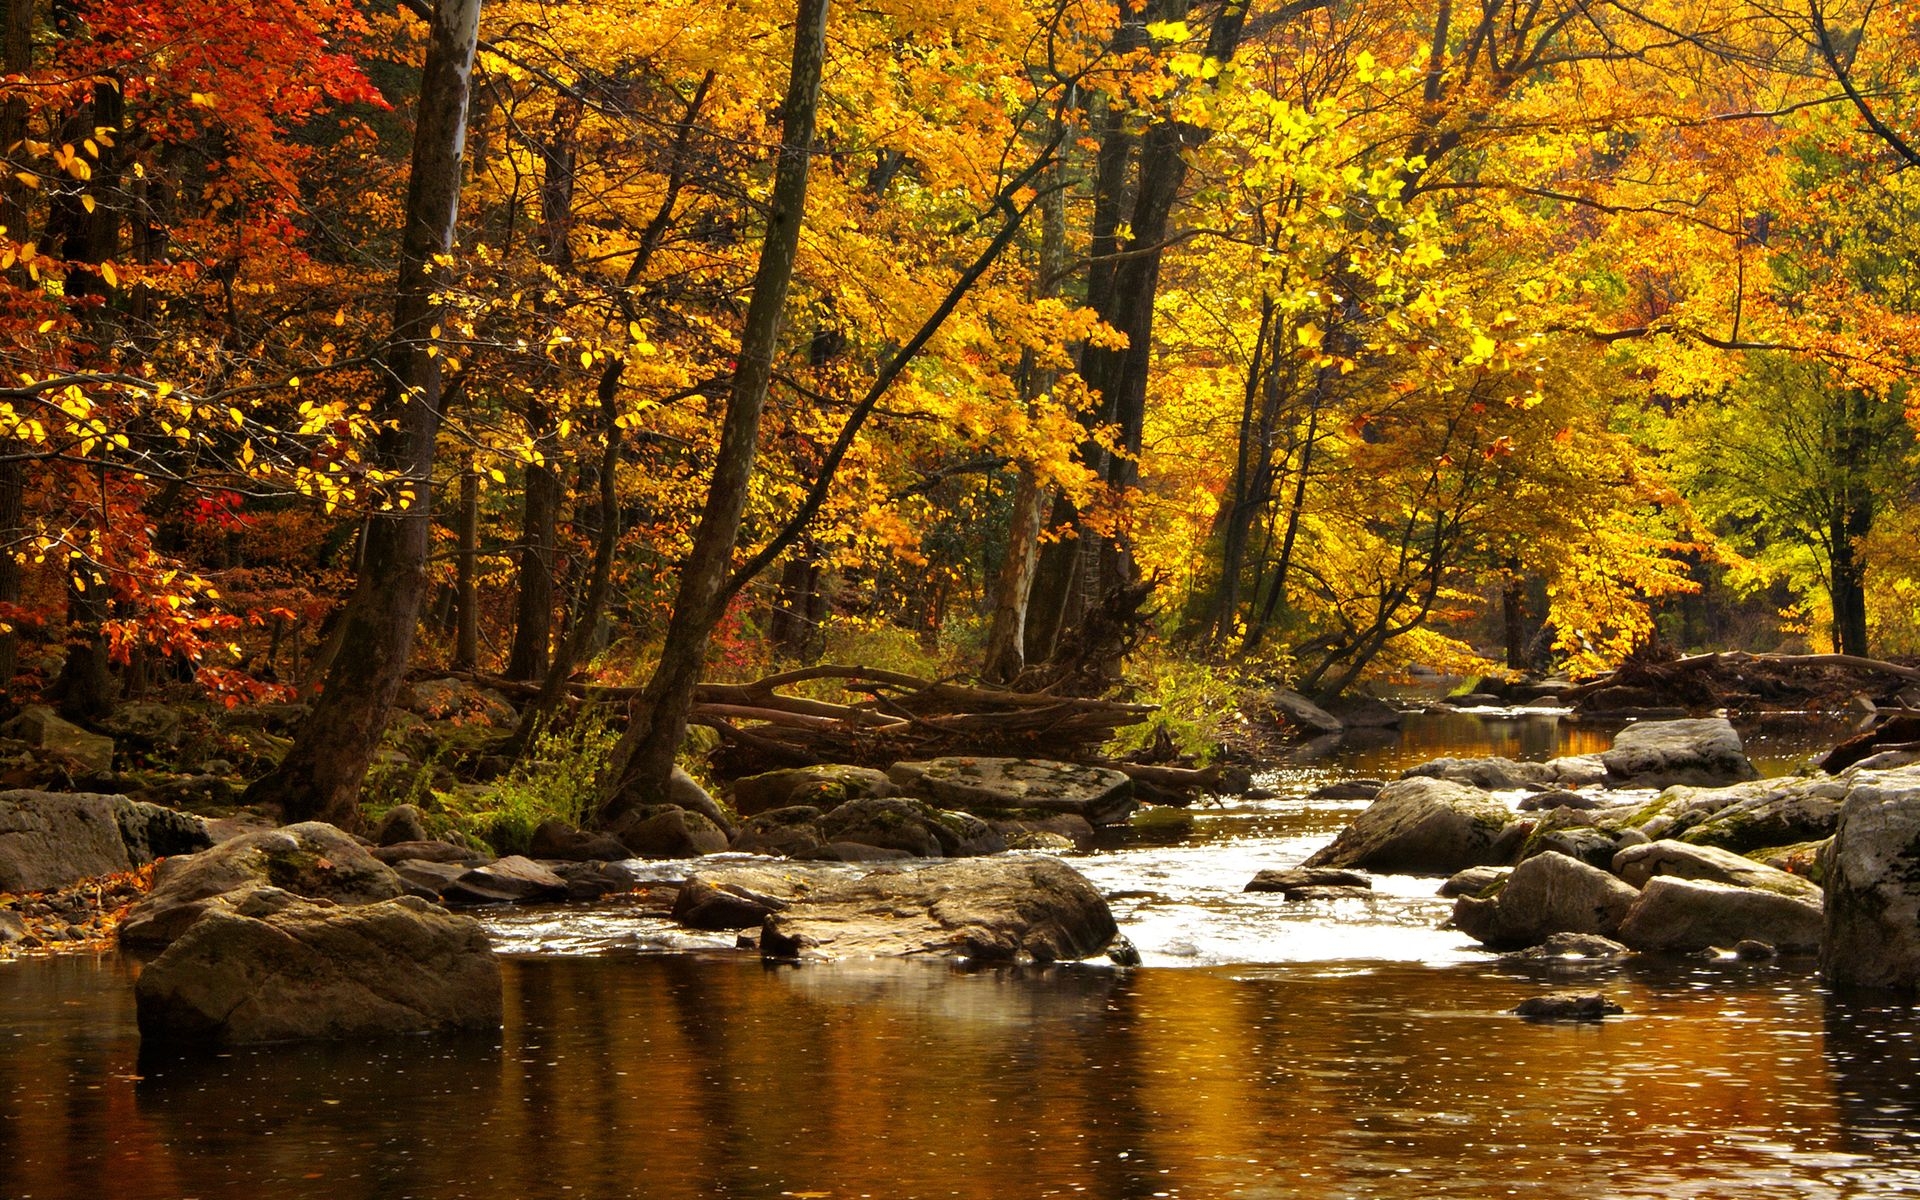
[
  {"x": 466, "y": 641},
  {"x": 643, "y": 760},
  {"x": 16, "y": 55},
  {"x": 320, "y": 777}
]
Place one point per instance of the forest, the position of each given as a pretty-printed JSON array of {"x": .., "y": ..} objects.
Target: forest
[{"x": 1114, "y": 349}]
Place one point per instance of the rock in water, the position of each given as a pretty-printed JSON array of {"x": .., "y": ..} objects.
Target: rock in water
[
  {"x": 1704, "y": 753},
  {"x": 1547, "y": 894},
  {"x": 1679, "y": 915},
  {"x": 1425, "y": 827},
  {"x": 1873, "y": 886},
  {"x": 992, "y": 909},
  {"x": 1100, "y": 794},
  {"x": 281, "y": 968},
  {"x": 312, "y": 859},
  {"x": 1639, "y": 864},
  {"x": 1568, "y": 1006}
]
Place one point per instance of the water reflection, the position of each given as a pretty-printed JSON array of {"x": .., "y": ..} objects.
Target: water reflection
[{"x": 669, "y": 1077}]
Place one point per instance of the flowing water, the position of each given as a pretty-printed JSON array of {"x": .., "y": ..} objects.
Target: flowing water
[{"x": 1340, "y": 1050}]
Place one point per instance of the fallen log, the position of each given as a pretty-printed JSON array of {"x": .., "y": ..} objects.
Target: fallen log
[{"x": 1738, "y": 679}]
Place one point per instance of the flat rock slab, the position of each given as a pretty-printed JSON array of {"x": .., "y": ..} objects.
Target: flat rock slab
[
  {"x": 1639, "y": 864},
  {"x": 509, "y": 880},
  {"x": 278, "y": 968},
  {"x": 994, "y": 909},
  {"x": 1100, "y": 794},
  {"x": 1296, "y": 878}
]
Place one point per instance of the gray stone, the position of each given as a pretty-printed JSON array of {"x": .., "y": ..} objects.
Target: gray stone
[
  {"x": 684, "y": 791},
  {"x": 12, "y": 928},
  {"x": 1306, "y": 895},
  {"x": 50, "y": 839},
  {"x": 510, "y": 880},
  {"x": 1587, "y": 843},
  {"x": 1301, "y": 713},
  {"x": 1568, "y": 1006},
  {"x": 1561, "y": 798},
  {"x": 1348, "y": 789},
  {"x": 593, "y": 880},
  {"x": 1639, "y": 864},
  {"x": 1578, "y": 770},
  {"x": 1574, "y": 946},
  {"x": 1474, "y": 880},
  {"x": 992, "y": 909},
  {"x": 312, "y": 859},
  {"x": 1425, "y": 826},
  {"x": 158, "y": 726},
  {"x": 272, "y": 971},
  {"x": 431, "y": 851},
  {"x": 559, "y": 840},
  {"x": 42, "y": 728},
  {"x": 915, "y": 827},
  {"x": 1682, "y": 915},
  {"x": 1547, "y": 894},
  {"x": 427, "y": 879},
  {"x": 781, "y": 832},
  {"x": 1704, "y": 752},
  {"x": 822, "y": 787},
  {"x": 401, "y": 823},
  {"x": 1100, "y": 794},
  {"x": 857, "y": 852},
  {"x": 1364, "y": 712},
  {"x": 668, "y": 831},
  {"x": 1078, "y": 831},
  {"x": 1040, "y": 841},
  {"x": 1873, "y": 885},
  {"x": 1489, "y": 774},
  {"x": 724, "y": 904},
  {"x": 1295, "y": 878}
]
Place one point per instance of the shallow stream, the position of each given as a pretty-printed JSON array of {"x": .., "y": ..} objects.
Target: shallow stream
[{"x": 1266, "y": 1050}]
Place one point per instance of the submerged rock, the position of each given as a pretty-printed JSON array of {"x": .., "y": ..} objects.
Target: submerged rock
[
  {"x": 277, "y": 967},
  {"x": 1298, "y": 878},
  {"x": 1568, "y": 1006},
  {"x": 1547, "y": 894},
  {"x": 1425, "y": 826},
  {"x": 997, "y": 909},
  {"x": 1586, "y": 946}
]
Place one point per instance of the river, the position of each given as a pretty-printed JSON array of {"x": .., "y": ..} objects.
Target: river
[{"x": 1321, "y": 1051}]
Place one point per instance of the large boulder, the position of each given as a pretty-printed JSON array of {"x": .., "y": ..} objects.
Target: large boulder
[
  {"x": 1426, "y": 827},
  {"x": 1680, "y": 915},
  {"x": 42, "y": 728},
  {"x": 1873, "y": 885},
  {"x": 51, "y": 839},
  {"x": 1547, "y": 894},
  {"x": 821, "y": 787},
  {"x": 1100, "y": 794},
  {"x": 1746, "y": 816},
  {"x": 276, "y": 967},
  {"x": 1640, "y": 864},
  {"x": 991, "y": 909},
  {"x": 312, "y": 859},
  {"x": 1704, "y": 752}
]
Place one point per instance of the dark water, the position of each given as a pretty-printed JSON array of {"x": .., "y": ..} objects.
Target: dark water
[
  {"x": 1340, "y": 1049},
  {"x": 675, "y": 1076}
]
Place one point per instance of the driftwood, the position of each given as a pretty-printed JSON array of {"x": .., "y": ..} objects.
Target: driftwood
[
  {"x": 1737, "y": 679},
  {"x": 888, "y": 717}
]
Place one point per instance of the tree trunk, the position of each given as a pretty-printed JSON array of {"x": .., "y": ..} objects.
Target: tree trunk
[
  {"x": 643, "y": 760},
  {"x": 466, "y": 595},
  {"x": 16, "y": 56},
  {"x": 533, "y": 627},
  {"x": 320, "y": 776},
  {"x": 1013, "y": 588}
]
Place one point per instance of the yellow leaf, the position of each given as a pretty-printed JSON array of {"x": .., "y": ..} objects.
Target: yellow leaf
[
  {"x": 586, "y": 358},
  {"x": 88, "y": 203},
  {"x": 106, "y": 273}
]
